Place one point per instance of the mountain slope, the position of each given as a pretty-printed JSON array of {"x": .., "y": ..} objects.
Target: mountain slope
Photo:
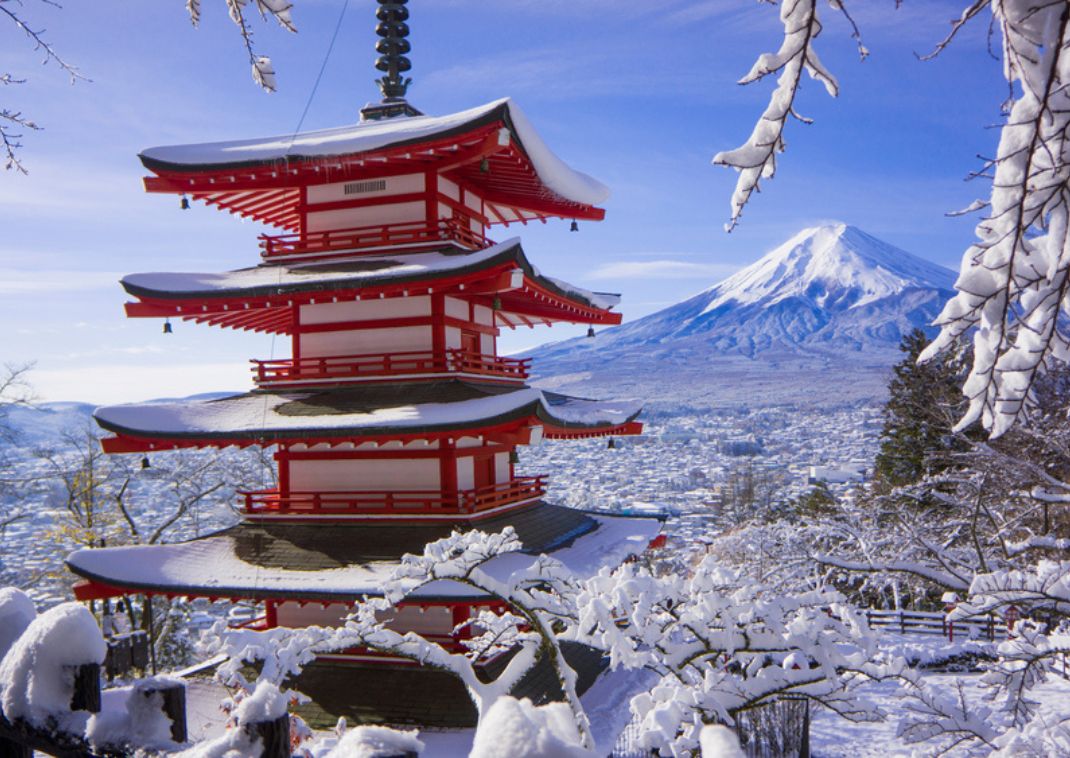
[{"x": 831, "y": 294}]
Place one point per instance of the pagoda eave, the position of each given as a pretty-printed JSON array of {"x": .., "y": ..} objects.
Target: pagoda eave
[
  {"x": 485, "y": 153},
  {"x": 263, "y": 299},
  {"x": 283, "y": 562}
]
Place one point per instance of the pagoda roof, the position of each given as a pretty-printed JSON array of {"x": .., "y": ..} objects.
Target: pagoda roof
[
  {"x": 344, "y": 562},
  {"x": 417, "y": 410},
  {"x": 239, "y": 298},
  {"x": 524, "y": 180}
]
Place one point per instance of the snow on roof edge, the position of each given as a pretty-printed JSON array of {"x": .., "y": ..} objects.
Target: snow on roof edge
[{"x": 557, "y": 175}]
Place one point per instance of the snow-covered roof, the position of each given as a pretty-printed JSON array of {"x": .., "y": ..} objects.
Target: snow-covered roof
[
  {"x": 317, "y": 562},
  {"x": 349, "y": 273},
  {"x": 360, "y": 411},
  {"x": 370, "y": 136}
]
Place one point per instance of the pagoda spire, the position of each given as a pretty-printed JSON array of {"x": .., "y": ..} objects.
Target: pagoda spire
[{"x": 392, "y": 61}]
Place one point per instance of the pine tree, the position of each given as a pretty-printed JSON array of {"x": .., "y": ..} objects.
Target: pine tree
[{"x": 924, "y": 401}]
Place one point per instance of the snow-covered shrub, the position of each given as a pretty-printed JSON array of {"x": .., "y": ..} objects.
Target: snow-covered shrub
[
  {"x": 374, "y": 741},
  {"x": 718, "y": 741},
  {"x": 17, "y": 612},
  {"x": 514, "y": 728},
  {"x": 723, "y": 644},
  {"x": 37, "y": 673},
  {"x": 141, "y": 723}
]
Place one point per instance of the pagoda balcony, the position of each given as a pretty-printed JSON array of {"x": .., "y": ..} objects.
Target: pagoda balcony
[
  {"x": 354, "y": 368},
  {"x": 414, "y": 235},
  {"x": 384, "y": 503}
]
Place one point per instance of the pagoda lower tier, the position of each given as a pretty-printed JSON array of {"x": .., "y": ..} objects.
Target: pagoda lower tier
[{"x": 305, "y": 574}]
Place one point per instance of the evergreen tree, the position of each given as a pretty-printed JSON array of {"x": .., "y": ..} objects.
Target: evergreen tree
[{"x": 924, "y": 401}]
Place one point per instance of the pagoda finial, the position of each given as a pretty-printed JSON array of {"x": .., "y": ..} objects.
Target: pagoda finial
[
  {"x": 392, "y": 15},
  {"x": 392, "y": 47}
]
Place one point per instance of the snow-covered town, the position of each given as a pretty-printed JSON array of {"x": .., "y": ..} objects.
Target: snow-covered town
[{"x": 364, "y": 421}]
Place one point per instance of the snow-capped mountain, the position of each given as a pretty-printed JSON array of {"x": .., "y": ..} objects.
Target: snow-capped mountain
[{"x": 831, "y": 293}]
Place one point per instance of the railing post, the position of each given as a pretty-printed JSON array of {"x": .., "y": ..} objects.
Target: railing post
[
  {"x": 86, "y": 695},
  {"x": 274, "y": 737}
]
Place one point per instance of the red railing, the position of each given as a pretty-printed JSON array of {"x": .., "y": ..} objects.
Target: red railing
[
  {"x": 372, "y": 502},
  {"x": 410, "y": 234},
  {"x": 257, "y": 624},
  {"x": 354, "y": 367}
]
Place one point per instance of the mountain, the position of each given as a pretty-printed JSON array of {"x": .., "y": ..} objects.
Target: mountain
[{"x": 830, "y": 295}]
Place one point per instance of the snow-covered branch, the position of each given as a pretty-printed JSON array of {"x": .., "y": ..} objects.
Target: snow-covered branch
[
  {"x": 755, "y": 160},
  {"x": 263, "y": 71}
]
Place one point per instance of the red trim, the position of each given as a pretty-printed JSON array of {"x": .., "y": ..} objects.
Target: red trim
[{"x": 564, "y": 433}]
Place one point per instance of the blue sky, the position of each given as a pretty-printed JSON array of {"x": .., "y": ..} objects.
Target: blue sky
[{"x": 639, "y": 93}]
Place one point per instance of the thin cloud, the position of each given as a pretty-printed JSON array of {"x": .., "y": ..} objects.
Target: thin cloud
[
  {"x": 21, "y": 282},
  {"x": 662, "y": 269}
]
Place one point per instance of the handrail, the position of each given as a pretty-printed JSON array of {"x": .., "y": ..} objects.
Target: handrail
[
  {"x": 371, "y": 502},
  {"x": 376, "y": 236},
  {"x": 342, "y": 367}
]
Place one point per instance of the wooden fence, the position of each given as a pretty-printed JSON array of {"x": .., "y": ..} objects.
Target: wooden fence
[{"x": 934, "y": 622}]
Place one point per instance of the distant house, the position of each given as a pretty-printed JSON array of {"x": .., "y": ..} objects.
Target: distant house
[{"x": 836, "y": 475}]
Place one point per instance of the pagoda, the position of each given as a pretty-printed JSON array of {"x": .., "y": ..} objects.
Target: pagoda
[{"x": 394, "y": 421}]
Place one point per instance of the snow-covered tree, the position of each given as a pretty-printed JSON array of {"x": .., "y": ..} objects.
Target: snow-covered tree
[
  {"x": 1014, "y": 282},
  {"x": 14, "y": 123},
  {"x": 721, "y": 645}
]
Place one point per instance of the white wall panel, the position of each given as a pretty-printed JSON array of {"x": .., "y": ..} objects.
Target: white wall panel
[
  {"x": 400, "y": 339},
  {"x": 355, "y": 475},
  {"x": 366, "y": 310}
]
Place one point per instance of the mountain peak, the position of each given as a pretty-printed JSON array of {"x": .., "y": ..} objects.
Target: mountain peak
[
  {"x": 835, "y": 266},
  {"x": 829, "y": 289}
]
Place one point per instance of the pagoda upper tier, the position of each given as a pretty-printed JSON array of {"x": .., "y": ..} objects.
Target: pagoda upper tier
[
  {"x": 473, "y": 169},
  {"x": 271, "y": 298}
]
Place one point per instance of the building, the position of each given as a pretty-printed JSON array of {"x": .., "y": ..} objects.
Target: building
[{"x": 394, "y": 421}]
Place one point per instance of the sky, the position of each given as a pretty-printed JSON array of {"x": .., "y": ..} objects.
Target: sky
[{"x": 638, "y": 93}]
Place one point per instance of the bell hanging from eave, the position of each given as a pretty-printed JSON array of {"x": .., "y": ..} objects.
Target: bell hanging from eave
[
  {"x": 145, "y": 462},
  {"x": 167, "y": 326},
  {"x": 574, "y": 227},
  {"x": 184, "y": 203},
  {"x": 612, "y": 444},
  {"x": 590, "y": 332}
]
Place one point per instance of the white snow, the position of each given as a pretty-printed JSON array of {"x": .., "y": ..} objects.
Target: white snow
[
  {"x": 374, "y": 135},
  {"x": 211, "y": 563},
  {"x": 132, "y": 716},
  {"x": 518, "y": 729},
  {"x": 265, "y": 703},
  {"x": 259, "y": 414},
  {"x": 17, "y": 612},
  {"x": 37, "y": 673},
  {"x": 369, "y": 742},
  {"x": 718, "y": 741}
]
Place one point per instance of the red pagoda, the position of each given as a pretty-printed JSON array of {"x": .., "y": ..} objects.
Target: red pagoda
[{"x": 394, "y": 421}]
